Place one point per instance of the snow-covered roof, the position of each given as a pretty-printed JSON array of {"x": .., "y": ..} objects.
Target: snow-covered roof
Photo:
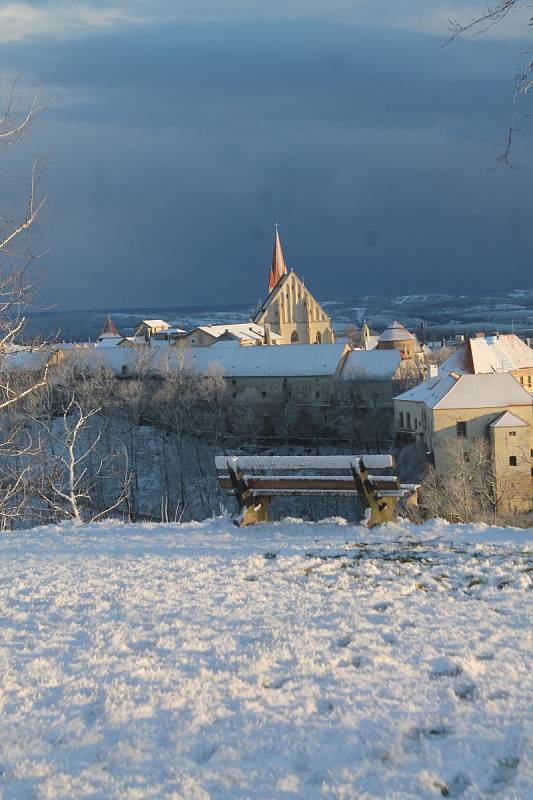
[
  {"x": 508, "y": 420},
  {"x": 502, "y": 353},
  {"x": 371, "y": 342},
  {"x": 492, "y": 390},
  {"x": 396, "y": 332},
  {"x": 25, "y": 360},
  {"x": 229, "y": 357},
  {"x": 376, "y": 364},
  {"x": 154, "y": 323},
  {"x": 109, "y": 341},
  {"x": 241, "y": 330}
]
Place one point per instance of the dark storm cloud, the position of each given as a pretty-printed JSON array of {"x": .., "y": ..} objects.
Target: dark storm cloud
[{"x": 173, "y": 150}]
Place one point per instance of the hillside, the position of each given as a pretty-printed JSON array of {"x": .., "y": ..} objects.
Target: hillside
[{"x": 291, "y": 660}]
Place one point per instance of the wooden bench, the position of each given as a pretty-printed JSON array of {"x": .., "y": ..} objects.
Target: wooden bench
[{"x": 255, "y": 480}]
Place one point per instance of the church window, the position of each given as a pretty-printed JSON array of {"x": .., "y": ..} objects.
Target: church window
[
  {"x": 318, "y": 338},
  {"x": 294, "y": 337}
]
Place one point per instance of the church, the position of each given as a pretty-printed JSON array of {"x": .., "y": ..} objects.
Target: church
[{"x": 290, "y": 310}]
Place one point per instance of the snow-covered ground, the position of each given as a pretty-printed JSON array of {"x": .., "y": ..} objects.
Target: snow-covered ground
[{"x": 288, "y": 660}]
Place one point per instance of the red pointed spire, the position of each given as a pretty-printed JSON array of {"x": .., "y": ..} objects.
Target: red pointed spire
[
  {"x": 110, "y": 328},
  {"x": 278, "y": 268}
]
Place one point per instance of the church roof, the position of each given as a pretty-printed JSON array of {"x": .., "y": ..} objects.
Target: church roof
[
  {"x": 278, "y": 268},
  {"x": 110, "y": 330}
]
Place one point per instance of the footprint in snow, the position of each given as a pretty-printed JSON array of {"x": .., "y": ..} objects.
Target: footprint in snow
[
  {"x": 504, "y": 773},
  {"x": 454, "y": 788},
  {"x": 485, "y": 656},
  {"x": 445, "y": 668},
  {"x": 274, "y": 683},
  {"x": 466, "y": 691},
  {"x": 203, "y": 752},
  {"x": 344, "y": 641},
  {"x": 382, "y": 606}
]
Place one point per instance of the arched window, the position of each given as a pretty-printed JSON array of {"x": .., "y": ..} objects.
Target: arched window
[
  {"x": 294, "y": 337},
  {"x": 318, "y": 339}
]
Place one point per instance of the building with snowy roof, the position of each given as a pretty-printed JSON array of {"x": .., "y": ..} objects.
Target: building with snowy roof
[
  {"x": 375, "y": 365},
  {"x": 397, "y": 337},
  {"x": 246, "y": 333},
  {"x": 499, "y": 353},
  {"x": 492, "y": 406},
  {"x": 149, "y": 327},
  {"x": 305, "y": 374}
]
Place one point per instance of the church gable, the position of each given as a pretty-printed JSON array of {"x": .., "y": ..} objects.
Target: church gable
[{"x": 292, "y": 312}]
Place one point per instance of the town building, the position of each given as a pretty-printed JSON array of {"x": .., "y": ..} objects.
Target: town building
[
  {"x": 397, "y": 337},
  {"x": 149, "y": 327},
  {"x": 503, "y": 352},
  {"x": 246, "y": 333},
  {"x": 290, "y": 311},
  {"x": 491, "y": 406}
]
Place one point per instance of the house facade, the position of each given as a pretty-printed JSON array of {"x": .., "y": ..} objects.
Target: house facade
[{"x": 491, "y": 406}]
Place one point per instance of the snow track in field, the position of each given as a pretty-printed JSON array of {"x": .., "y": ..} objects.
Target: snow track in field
[{"x": 289, "y": 660}]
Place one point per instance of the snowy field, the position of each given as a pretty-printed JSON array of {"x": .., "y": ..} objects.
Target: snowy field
[{"x": 290, "y": 660}]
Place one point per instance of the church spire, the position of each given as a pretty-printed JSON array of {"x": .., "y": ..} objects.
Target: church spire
[
  {"x": 278, "y": 268},
  {"x": 110, "y": 329}
]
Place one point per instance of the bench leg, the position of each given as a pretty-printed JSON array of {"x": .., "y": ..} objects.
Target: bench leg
[
  {"x": 382, "y": 510},
  {"x": 252, "y": 514},
  {"x": 379, "y": 510}
]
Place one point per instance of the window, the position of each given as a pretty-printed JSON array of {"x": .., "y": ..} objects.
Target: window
[
  {"x": 461, "y": 429},
  {"x": 234, "y": 383},
  {"x": 264, "y": 394},
  {"x": 408, "y": 419},
  {"x": 529, "y": 381},
  {"x": 401, "y": 424},
  {"x": 318, "y": 338},
  {"x": 522, "y": 379},
  {"x": 294, "y": 337},
  {"x": 512, "y": 461},
  {"x": 317, "y": 395},
  {"x": 512, "y": 433},
  {"x": 416, "y": 423}
]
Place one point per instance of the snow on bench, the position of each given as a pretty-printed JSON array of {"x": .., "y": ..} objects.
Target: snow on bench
[
  {"x": 240, "y": 476},
  {"x": 265, "y": 463}
]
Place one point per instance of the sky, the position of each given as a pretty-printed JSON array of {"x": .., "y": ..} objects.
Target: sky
[{"x": 176, "y": 134}]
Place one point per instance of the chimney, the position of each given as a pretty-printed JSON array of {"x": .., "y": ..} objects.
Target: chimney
[
  {"x": 433, "y": 371},
  {"x": 528, "y": 342},
  {"x": 268, "y": 337}
]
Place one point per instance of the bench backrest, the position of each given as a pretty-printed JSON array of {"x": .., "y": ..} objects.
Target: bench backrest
[{"x": 314, "y": 463}]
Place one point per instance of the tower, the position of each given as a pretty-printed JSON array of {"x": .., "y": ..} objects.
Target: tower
[{"x": 278, "y": 268}]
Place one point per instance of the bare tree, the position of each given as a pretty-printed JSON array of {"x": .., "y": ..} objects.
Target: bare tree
[
  {"x": 493, "y": 13},
  {"x": 72, "y": 480}
]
